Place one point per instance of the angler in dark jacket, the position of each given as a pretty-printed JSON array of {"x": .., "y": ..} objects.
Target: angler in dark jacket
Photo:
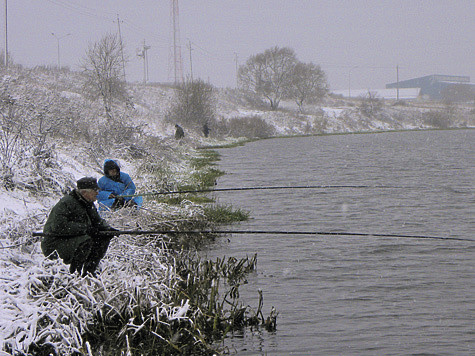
[
  {"x": 113, "y": 185},
  {"x": 73, "y": 228},
  {"x": 179, "y": 132}
]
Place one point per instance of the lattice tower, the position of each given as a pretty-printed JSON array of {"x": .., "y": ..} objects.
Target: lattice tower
[{"x": 175, "y": 62}]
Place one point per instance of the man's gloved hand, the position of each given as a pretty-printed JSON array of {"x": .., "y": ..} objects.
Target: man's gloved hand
[{"x": 92, "y": 231}]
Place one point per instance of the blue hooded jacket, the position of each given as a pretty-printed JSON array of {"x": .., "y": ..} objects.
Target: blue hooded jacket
[{"x": 120, "y": 185}]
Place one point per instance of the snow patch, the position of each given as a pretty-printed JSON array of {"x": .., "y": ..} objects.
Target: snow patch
[
  {"x": 17, "y": 203},
  {"x": 332, "y": 112},
  {"x": 70, "y": 95}
]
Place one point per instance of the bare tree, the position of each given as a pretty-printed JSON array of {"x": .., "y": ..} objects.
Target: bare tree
[
  {"x": 194, "y": 104},
  {"x": 103, "y": 68},
  {"x": 308, "y": 84},
  {"x": 26, "y": 122},
  {"x": 371, "y": 104},
  {"x": 268, "y": 74},
  {"x": 13, "y": 123}
]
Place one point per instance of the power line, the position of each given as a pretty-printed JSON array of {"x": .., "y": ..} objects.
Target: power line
[
  {"x": 82, "y": 10},
  {"x": 109, "y": 16}
]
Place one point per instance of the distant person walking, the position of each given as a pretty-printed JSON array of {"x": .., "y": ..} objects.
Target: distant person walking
[
  {"x": 179, "y": 133},
  {"x": 206, "y": 129},
  {"x": 72, "y": 230}
]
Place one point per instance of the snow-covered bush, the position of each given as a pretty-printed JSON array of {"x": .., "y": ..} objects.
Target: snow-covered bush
[
  {"x": 370, "y": 104},
  {"x": 194, "y": 104},
  {"x": 249, "y": 126},
  {"x": 439, "y": 119}
]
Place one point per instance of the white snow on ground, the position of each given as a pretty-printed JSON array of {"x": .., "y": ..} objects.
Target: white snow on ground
[
  {"x": 332, "y": 112},
  {"x": 17, "y": 203},
  {"x": 70, "y": 95},
  {"x": 392, "y": 93}
]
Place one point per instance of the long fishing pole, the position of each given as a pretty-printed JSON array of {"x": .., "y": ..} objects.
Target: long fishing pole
[
  {"x": 249, "y": 232},
  {"x": 270, "y": 232},
  {"x": 264, "y": 188}
]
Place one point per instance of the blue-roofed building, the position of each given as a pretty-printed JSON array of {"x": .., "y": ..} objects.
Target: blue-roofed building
[{"x": 435, "y": 86}]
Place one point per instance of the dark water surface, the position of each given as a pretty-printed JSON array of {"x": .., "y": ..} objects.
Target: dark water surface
[{"x": 341, "y": 295}]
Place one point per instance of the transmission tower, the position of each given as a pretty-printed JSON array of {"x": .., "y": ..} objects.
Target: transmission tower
[
  {"x": 121, "y": 47},
  {"x": 6, "y": 36},
  {"x": 175, "y": 48}
]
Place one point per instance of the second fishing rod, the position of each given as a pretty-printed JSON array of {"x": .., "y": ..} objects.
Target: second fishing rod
[{"x": 193, "y": 191}]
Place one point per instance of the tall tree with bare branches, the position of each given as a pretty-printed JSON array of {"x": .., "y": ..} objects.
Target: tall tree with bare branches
[
  {"x": 194, "y": 104},
  {"x": 308, "y": 84},
  {"x": 103, "y": 68},
  {"x": 268, "y": 74}
]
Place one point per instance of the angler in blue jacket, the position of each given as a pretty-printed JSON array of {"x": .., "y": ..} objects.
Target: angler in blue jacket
[{"x": 114, "y": 184}]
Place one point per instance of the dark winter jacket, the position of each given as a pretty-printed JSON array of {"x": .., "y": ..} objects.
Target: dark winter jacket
[
  {"x": 179, "y": 133},
  {"x": 68, "y": 225}
]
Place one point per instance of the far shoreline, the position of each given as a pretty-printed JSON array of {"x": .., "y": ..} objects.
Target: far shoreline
[{"x": 248, "y": 140}]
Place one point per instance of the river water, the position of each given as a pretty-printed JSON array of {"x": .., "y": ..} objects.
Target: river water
[{"x": 359, "y": 295}]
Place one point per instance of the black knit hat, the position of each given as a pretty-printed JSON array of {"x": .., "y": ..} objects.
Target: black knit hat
[
  {"x": 87, "y": 183},
  {"x": 110, "y": 164}
]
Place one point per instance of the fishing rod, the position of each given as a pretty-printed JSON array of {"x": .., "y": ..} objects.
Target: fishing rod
[
  {"x": 248, "y": 232},
  {"x": 269, "y": 232},
  {"x": 264, "y": 188}
]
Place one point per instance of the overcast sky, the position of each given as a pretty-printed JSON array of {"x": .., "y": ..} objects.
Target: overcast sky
[{"x": 358, "y": 43}]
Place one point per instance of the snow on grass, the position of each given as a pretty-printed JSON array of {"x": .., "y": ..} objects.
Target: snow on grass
[
  {"x": 40, "y": 301},
  {"x": 332, "y": 112},
  {"x": 17, "y": 203}
]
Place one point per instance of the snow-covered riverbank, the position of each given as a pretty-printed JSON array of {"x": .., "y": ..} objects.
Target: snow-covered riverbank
[{"x": 40, "y": 302}]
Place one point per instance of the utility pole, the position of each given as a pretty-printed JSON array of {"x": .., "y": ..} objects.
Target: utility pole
[
  {"x": 145, "y": 49},
  {"x": 349, "y": 80},
  {"x": 121, "y": 47},
  {"x": 236, "y": 63},
  {"x": 57, "y": 39},
  {"x": 191, "y": 61},
  {"x": 6, "y": 36},
  {"x": 143, "y": 54},
  {"x": 397, "y": 76}
]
